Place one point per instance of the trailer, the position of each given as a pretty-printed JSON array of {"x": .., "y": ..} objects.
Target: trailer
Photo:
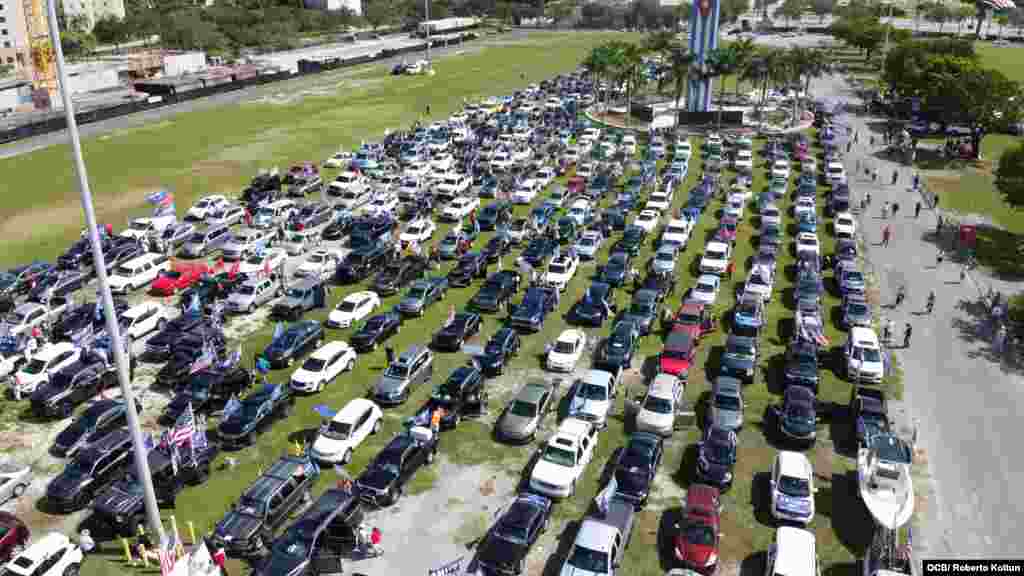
[{"x": 446, "y": 26}]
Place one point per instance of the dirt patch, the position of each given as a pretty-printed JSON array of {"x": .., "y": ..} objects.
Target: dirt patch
[
  {"x": 24, "y": 225},
  {"x": 216, "y": 169},
  {"x": 488, "y": 487}
]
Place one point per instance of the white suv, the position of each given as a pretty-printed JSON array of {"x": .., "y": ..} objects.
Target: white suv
[
  {"x": 343, "y": 433},
  {"x": 863, "y": 355},
  {"x": 793, "y": 490},
  {"x": 52, "y": 555},
  {"x": 48, "y": 360}
]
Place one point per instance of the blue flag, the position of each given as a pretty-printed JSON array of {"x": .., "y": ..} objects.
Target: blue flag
[
  {"x": 278, "y": 330},
  {"x": 233, "y": 405},
  {"x": 262, "y": 365}
]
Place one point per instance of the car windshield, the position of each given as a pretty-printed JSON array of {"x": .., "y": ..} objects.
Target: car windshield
[
  {"x": 246, "y": 289},
  {"x": 891, "y": 450},
  {"x": 588, "y": 560},
  {"x": 797, "y": 487},
  {"x": 658, "y": 405},
  {"x": 399, "y": 371},
  {"x": 512, "y": 533},
  {"x": 665, "y": 256},
  {"x": 857, "y": 308},
  {"x": 347, "y": 306},
  {"x": 714, "y": 255},
  {"x": 741, "y": 349},
  {"x": 593, "y": 392},
  {"x": 720, "y": 452},
  {"x": 563, "y": 347},
  {"x": 799, "y": 411},
  {"x": 313, "y": 364},
  {"x": 726, "y": 402},
  {"x": 853, "y": 277},
  {"x": 700, "y": 535},
  {"x": 560, "y": 456},
  {"x": 706, "y": 287},
  {"x": 558, "y": 268},
  {"x": 76, "y": 469},
  {"x": 871, "y": 355},
  {"x": 36, "y": 366},
  {"x": 524, "y": 409},
  {"x": 417, "y": 292},
  {"x": 337, "y": 430}
]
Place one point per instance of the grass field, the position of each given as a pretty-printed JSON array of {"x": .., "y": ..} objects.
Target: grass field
[
  {"x": 219, "y": 150},
  {"x": 195, "y": 159}
]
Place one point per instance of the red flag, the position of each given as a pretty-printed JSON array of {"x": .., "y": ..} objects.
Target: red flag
[
  {"x": 167, "y": 560},
  {"x": 219, "y": 556},
  {"x": 451, "y": 314},
  {"x": 266, "y": 267},
  {"x": 234, "y": 269}
]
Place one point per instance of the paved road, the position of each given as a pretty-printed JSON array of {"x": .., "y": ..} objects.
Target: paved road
[{"x": 967, "y": 405}]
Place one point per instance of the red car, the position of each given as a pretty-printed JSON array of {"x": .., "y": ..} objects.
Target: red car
[
  {"x": 678, "y": 354},
  {"x": 14, "y": 536},
  {"x": 696, "y": 545},
  {"x": 727, "y": 230},
  {"x": 693, "y": 317},
  {"x": 170, "y": 282}
]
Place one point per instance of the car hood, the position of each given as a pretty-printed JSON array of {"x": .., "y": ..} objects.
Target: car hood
[
  {"x": 234, "y": 426},
  {"x": 792, "y": 504},
  {"x": 50, "y": 392},
  {"x": 583, "y": 406},
  {"x": 694, "y": 554},
  {"x": 64, "y": 486},
  {"x": 713, "y": 470},
  {"x": 116, "y": 500},
  {"x": 377, "y": 478},
  {"x": 738, "y": 362},
  {"x": 325, "y": 445},
  {"x": 388, "y": 385},
  {"x": 501, "y": 553},
  {"x": 237, "y": 525},
  {"x": 551, "y": 473},
  {"x": 728, "y": 419},
  {"x": 516, "y": 425},
  {"x": 674, "y": 366}
]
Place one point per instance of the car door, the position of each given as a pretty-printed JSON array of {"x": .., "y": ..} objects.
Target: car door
[
  {"x": 335, "y": 364},
  {"x": 84, "y": 386},
  {"x": 363, "y": 426}
]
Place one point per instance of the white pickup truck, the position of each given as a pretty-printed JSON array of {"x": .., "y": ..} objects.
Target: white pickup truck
[
  {"x": 142, "y": 228},
  {"x": 564, "y": 458}
]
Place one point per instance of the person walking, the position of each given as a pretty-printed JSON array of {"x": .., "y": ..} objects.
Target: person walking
[
  {"x": 874, "y": 175},
  {"x": 86, "y": 543},
  {"x": 890, "y": 331},
  {"x": 886, "y": 234},
  {"x": 963, "y": 273},
  {"x": 917, "y": 180},
  {"x": 390, "y": 353},
  {"x": 907, "y": 332},
  {"x": 901, "y": 293},
  {"x": 895, "y": 176},
  {"x": 939, "y": 257},
  {"x": 999, "y": 340},
  {"x": 930, "y": 305},
  {"x": 895, "y": 208},
  {"x": 885, "y": 210},
  {"x": 917, "y": 209}
]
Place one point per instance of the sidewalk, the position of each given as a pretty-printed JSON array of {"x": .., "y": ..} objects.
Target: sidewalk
[{"x": 966, "y": 403}]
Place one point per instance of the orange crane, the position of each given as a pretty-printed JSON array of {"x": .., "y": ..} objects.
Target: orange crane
[{"x": 44, "y": 74}]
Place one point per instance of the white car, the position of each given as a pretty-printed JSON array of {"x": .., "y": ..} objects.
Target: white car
[
  {"x": 586, "y": 170},
  {"x": 420, "y": 231},
  {"x": 657, "y": 149},
  {"x": 771, "y": 216},
  {"x": 803, "y": 206},
  {"x": 52, "y": 555},
  {"x": 648, "y": 220},
  {"x": 706, "y": 289},
  {"x": 353, "y": 308},
  {"x": 526, "y": 192},
  {"x": 863, "y": 356},
  {"x": 346, "y": 430},
  {"x": 226, "y": 216},
  {"x": 566, "y": 351},
  {"x": 760, "y": 281},
  {"x": 808, "y": 166},
  {"x": 459, "y": 208},
  {"x": 143, "y": 318},
  {"x": 338, "y": 160},
  {"x": 455, "y": 184},
  {"x": 628, "y": 144},
  {"x": 744, "y": 161},
  {"x": 28, "y": 315},
  {"x": 683, "y": 150},
  {"x": 589, "y": 244},
  {"x": 206, "y": 206},
  {"x": 657, "y": 411},
  {"x": 323, "y": 366},
  {"x": 14, "y": 479},
  {"x": 261, "y": 263},
  {"x": 545, "y": 175},
  {"x": 792, "y": 484},
  {"x": 321, "y": 263},
  {"x": 677, "y": 232},
  {"x": 501, "y": 161},
  {"x": 561, "y": 270},
  {"x": 442, "y": 161},
  {"x": 349, "y": 180},
  {"x": 383, "y": 204},
  {"x": 658, "y": 201},
  {"x": 592, "y": 397},
  {"x": 716, "y": 258},
  {"x": 780, "y": 169},
  {"x": 807, "y": 242},
  {"x": 845, "y": 225},
  {"x": 734, "y": 207},
  {"x": 418, "y": 170},
  {"x": 564, "y": 459},
  {"x": 835, "y": 173},
  {"x": 46, "y": 361},
  {"x": 142, "y": 228},
  {"x": 580, "y": 211}
]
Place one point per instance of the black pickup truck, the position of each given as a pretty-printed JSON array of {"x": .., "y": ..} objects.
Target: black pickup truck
[
  {"x": 121, "y": 506},
  {"x": 868, "y": 413}
]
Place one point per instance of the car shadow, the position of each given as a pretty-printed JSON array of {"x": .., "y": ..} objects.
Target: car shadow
[
  {"x": 841, "y": 430},
  {"x": 565, "y": 402},
  {"x": 774, "y": 374},
  {"x": 668, "y": 526},
  {"x": 713, "y": 364},
  {"x": 835, "y": 316},
  {"x": 565, "y": 540},
  {"x": 843, "y": 569},
  {"x": 304, "y": 436},
  {"x": 788, "y": 298},
  {"x": 754, "y": 564},
  {"x": 785, "y": 328},
  {"x": 761, "y": 500},
  {"x": 683, "y": 476},
  {"x": 838, "y": 500}
]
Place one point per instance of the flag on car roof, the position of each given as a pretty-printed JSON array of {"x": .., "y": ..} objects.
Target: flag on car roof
[
  {"x": 278, "y": 330},
  {"x": 184, "y": 427},
  {"x": 233, "y": 405},
  {"x": 205, "y": 359}
]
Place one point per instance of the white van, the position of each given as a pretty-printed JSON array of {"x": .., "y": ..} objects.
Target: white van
[
  {"x": 270, "y": 215},
  {"x": 792, "y": 554},
  {"x": 863, "y": 356},
  {"x": 138, "y": 272}
]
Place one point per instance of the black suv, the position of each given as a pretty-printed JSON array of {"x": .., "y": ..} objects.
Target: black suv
[
  {"x": 73, "y": 385},
  {"x": 266, "y": 505},
  {"x": 471, "y": 265},
  {"x": 801, "y": 365},
  {"x": 398, "y": 274},
  {"x": 90, "y": 472},
  {"x": 161, "y": 346},
  {"x": 506, "y": 545},
  {"x": 496, "y": 292},
  {"x": 461, "y": 394},
  {"x": 362, "y": 262},
  {"x": 384, "y": 479},
  {"x": 498, "y": 351},
  {"x": 121, "y": 505},
  {"x": 293, "y": 342},
  {"x": 207, "y": 390},
  {"x": 96, "y": 421},
  {"x": 186, "y": 351}
]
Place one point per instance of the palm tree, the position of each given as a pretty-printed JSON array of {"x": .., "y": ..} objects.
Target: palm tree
[
  {"x": 743, "y": 51},
  {"x": 629, "y": 72},
  {"x": 721, "y": 62},
  {"x": 677, "y": 70},
  {"x": 597, "y": 63}
]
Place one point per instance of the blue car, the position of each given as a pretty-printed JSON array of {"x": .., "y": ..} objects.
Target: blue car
[
  {"x": 534, "y": 308},
  {"x": 542, "y": 214},
  {"x": 237, "y": 427},
  {"x": 808, "y": 222},
  {"x": 293, "y": 342}
]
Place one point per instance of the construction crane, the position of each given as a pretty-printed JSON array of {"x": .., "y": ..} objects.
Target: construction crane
[{"x": 44, "y": 74}]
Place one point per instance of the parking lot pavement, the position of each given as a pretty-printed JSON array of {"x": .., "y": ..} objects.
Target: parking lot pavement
[{"x": 966, "y": 405}]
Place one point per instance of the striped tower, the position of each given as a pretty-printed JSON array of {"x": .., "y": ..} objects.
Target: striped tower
[{"x": 703, "y": 39}]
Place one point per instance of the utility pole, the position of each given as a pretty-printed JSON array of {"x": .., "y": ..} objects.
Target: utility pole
[
  {"x": 426, "y": 21},
  {"x": 888, "y": 26},
  {"x": 141, "y": 454}
]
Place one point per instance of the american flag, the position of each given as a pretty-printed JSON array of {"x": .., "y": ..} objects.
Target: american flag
[
  {"x": 184, "y": 428},
  {"x": 167, "y": 560},
  {"x": 204, "y": 361}
]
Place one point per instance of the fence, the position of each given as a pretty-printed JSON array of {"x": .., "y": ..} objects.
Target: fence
[{"x": 56, "y": 124}]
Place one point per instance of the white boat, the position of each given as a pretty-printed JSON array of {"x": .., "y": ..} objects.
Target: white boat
[{"x": 883, "y": 476}]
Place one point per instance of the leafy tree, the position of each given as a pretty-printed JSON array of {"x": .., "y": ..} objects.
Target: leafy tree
[
  {"x": 377, "y": 12},
  {"x": 729, "y": 11},
  {"x": 721, "y": 62},
  {"x": 983, "y": 99},
  {"x": 939, "y": 13},
  {"x": 792, "y": 10},
  {"x": 629, "y": 71},
  {"x": 744, "y": 51},
  {"x": 110, "y": 30},
  {"x": 1010, "y": 176}
]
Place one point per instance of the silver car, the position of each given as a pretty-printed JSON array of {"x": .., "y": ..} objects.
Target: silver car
[
  {"x": 251, "y": 295},
  {"x": 522, "y": 417},
  {"x": 727, "y": 403},
  {"x": 413, "y": 368},
  {"x": 14, "y": 480},
  {"x": 664, "y": 260}
]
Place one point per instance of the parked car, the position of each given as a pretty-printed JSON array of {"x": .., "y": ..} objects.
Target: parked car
[
  {"x": 696, "y": 543},
  {"x": 726, "y": 405},
  {"x": 792, "y": 488},
  {"x": 375, "y": 331},
  {"x": 801, "y": 364},
  {"x": 592, "y": 397},
  {"x": 384, "y": 479},
  {"x": 521, "y": 419},
  {"x": 636, "y": 465},
  {"x": 100, "y": 418},
  {"x": 566, "y": 351},
  {"x": 422, "y": 294},
  {"x": 90, "y": 471},
  {"x": 716, "y": 457},
  {"x": 73, "y": 385},
  {"x": 293, "y": 342},
  {"x": 616, "y": 351},
  {"x": 656, "y": 411},
  {"x": 564, "y": 458},
  {"x": 207, "y": 390},
  {"x": 346, "y": 430},
  {"x": 740, "y": 357},
  {"x": 52, "y": 555},
  {"x": 353, "y": 308},
  {"x": 471, "y": 265},
  {"x": 596, "y": 305},
  {"x": 797, "y": 417},
  {"x": 254, "y": 412},
  {"x": 507, "y": 543},
  {"x": 454, "y": 334},
  {"x": 15, "y": 478},
  {"x": 14, "y": 536},
  {"x": 531, "y": 312},
  {"x": 413, "y": 368},
  {"x": 323, "y": 365}
]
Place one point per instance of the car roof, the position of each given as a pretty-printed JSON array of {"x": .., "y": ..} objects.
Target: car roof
[
  {"x": 42, "y": 547},
  {"x": 353, "y": 410},
  {"x": 793, "y": 464},
  {"x": 49, "y": 351},
  {"x": 599, "y": 377},
  {"x": 573, "y": 427},
  {"x": 679, "y": 339},
  {"x": 726, "y": 384},
  {"x": 596, "y": 535},
  {"x": 332, "y": 347},
  {"x": 572, "y": 334},
  {"x": 702, "y": 496},
  {"x": 716, "y": 246},
  {"x": 864, "y": 337},
  {"x": 410, "y": 354},
  {"x": 663, "y": 386},
  {"x": 795, "y": 551}
]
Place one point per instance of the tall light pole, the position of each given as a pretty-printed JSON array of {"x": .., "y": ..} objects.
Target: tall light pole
[
  {"x": 888, "y": 26},
  {"x": 426, "y": 13},
  {"x": 120, "y": 360}
]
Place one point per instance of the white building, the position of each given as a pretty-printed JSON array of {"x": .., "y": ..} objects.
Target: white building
[
  {"x": 355, "y": 6},
  {"x": 92, "y": 10},
  {"x": 13, "y": 34}
]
